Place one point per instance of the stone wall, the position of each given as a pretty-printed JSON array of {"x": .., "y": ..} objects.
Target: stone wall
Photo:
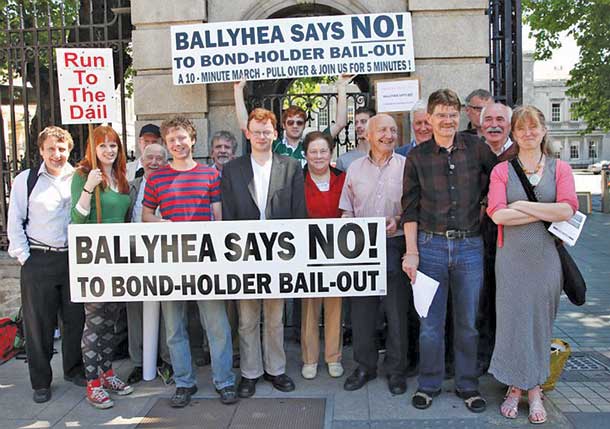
[
  {"x": 10, "y": 294},
  {"x": 451, "y": 40}
]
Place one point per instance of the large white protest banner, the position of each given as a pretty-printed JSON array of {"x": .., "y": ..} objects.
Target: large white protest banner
[
  {"x": 86, "y": 85},
  {"x": 296, "y": 47},
  {"x": 227, "y": 260}
]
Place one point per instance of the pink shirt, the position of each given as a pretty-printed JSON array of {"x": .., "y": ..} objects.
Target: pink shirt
[{"x": 496, "y": 199}]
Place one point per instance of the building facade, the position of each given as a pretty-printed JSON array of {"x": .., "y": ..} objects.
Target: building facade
[{"x": 451, "y": 41}]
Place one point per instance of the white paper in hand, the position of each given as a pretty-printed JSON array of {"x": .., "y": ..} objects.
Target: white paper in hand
[{"x": 424, "y": 290}]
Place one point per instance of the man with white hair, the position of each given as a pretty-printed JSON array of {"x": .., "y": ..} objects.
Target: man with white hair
[
  {"x": 495, "y": 128},
  {"x": 154, "y": 156},
  {"x": 420, "y": 127}
]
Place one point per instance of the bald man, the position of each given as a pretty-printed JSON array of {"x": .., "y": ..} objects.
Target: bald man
[{"x": 373, "y": 187}]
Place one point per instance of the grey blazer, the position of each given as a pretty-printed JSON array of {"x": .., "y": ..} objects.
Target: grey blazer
[
  {"x": 134, "y": 188},
  {"x": 286, "y": 197}
]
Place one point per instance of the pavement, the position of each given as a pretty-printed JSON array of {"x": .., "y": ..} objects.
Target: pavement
[{"x": 580, "y": 400}]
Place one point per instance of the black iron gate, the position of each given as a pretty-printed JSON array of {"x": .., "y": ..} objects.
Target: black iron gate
[
  {"x": 320, "y": 109},
  {"x": 31, "y": 30},
  {"x": 505, "y": 46}
]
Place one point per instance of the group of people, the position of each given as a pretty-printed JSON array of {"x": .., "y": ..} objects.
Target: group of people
[{"x": 455, "y": 209}]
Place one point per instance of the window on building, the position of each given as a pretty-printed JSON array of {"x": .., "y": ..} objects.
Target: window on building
[
  {"x": 557, "y": 147},
  {"x": 574, "y": 151},
  {"x": 555, "y": 112},
  {"x": 573, "y": 115},
  {"x": 592, "y": 150}
]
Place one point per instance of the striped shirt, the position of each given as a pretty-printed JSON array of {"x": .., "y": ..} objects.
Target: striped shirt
[{"x": 183, "y": 196}]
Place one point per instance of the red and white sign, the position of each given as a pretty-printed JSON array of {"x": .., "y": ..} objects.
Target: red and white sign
[{"x": 86, "y": 85}]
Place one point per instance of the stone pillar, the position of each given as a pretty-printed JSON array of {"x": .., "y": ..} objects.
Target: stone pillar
[
  {"x": 156, "y": 97},
  {"x": 451, "y": 40}
]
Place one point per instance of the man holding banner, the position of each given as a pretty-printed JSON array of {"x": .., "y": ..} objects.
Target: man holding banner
[
  {"x": 262, "y": 186},
  {"x": 373, "y": 188},
  {"x": 171, "y": 190}
]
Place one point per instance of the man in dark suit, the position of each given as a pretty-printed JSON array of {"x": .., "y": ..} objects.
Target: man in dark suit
[{"x": 262, "y": 185}]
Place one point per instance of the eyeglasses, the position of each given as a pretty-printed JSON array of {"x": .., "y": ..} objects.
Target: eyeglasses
[
  {"x": 266, "y": 133},
  {"x": 452, "y": 116},
  {"x": 477, "y": 108},
  {"x": 291, "y": 122}
]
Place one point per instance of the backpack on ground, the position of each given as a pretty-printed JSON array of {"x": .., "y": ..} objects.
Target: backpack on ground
[{"x": 11, "y": 337}]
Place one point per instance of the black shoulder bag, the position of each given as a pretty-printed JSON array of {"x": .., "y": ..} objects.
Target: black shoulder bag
[{"x": 574, "y": 285}]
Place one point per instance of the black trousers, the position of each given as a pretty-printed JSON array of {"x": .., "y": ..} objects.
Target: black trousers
[
  {"x": 365, "y": 315},
  {"x": 486, "y": 316},
  {"x": 45, "y": 293}
]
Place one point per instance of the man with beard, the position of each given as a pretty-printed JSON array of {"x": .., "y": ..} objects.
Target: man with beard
[{"x": 223, "y": 146}]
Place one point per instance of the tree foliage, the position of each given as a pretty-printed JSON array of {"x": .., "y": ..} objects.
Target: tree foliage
[{"x": 588, "y": 21}]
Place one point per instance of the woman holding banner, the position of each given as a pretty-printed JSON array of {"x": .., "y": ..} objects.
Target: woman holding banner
[
  {"x": 323, "y": 185},
  {"x": 103, "y": 165}
]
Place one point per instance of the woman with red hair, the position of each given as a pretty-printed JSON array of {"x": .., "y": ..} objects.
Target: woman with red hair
[{"x": 98, "y": 338}]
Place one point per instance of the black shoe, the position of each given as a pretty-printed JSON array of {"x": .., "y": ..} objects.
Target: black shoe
[
  {"x": 42, "y": 395},
  {"x": 135, "y": 376},
  {"x": 182, "y": 396},
  {"x": 358, "y": 379},
  {"x": 78, "y": 379},
  {"x": 281, "y": 382},
  {"x": 247, "y": 387},
  {"x": 473, "y": 400},
  {"x": 397, "y": 384},
  {"x": 228, "y": 395}
]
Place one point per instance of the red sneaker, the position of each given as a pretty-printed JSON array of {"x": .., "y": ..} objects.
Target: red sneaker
[
  {"x": 97, "y": 396},
  {"x": 114, "y": 384}
]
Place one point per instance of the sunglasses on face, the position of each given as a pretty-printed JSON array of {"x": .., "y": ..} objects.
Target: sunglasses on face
[{"x": 291, "y": 122}]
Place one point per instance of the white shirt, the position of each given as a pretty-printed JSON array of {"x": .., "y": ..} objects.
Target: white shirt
[
  {"x": 262, "y": 176},
  {"x": 132, "y": 169},
  {"x": 508, "y": 144},
  {"x": 49, "y": 211},
  {"x": 136, "y": 215}
]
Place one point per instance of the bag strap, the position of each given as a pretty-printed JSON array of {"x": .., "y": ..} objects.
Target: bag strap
[{"x": 31, "y": 183}]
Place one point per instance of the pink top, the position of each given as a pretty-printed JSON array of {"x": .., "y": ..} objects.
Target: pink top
[{"x": 496, "y": 199}]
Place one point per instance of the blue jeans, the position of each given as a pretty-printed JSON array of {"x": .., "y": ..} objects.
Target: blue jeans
[
  {"x": 214, "y": 317},
  {"x": 458, "y": 266}
]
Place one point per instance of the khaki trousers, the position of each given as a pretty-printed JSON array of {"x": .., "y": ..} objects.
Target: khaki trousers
[
  {"x": 251, "y": 356},
  {"x": 310, "y": 338}
]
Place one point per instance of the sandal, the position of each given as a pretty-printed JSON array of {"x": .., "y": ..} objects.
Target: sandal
[
  {"x": 536, "y": 407},
  {"x": 473, "y": 400},
  {"x": 510, "y": 406},
  {"x": 422, "y": 400}
]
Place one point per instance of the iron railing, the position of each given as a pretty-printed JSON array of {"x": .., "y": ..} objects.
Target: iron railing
[
  {"x": 32, "y": 29},
  {"x": 320, "y": 109},
  {"x": 505, "y": 47}
]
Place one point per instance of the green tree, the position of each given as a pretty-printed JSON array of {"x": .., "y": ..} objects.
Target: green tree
[{"x": 588, "y": 21}]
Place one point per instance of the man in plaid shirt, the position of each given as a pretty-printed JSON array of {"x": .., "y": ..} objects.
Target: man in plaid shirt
[{"x": 445, "y": 180}]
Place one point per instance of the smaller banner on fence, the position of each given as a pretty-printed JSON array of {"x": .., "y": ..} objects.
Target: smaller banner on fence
[
  {"x": 292, "y": 48},
  {"x": 86, "y": 85},
  {"x": 396, "y": 95},
  {"x": 227, "y": 260}
]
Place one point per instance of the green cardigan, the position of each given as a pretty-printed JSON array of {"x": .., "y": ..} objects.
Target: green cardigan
[{"x": 114, "y": 204}]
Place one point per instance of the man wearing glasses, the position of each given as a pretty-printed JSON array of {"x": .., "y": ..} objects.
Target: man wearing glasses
[
  {"x": 475, "y": 102},
  {"x": 445, "y": 180},
  {"x": 258, "y": 186},
  {"x": 294, "y": 119}
]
